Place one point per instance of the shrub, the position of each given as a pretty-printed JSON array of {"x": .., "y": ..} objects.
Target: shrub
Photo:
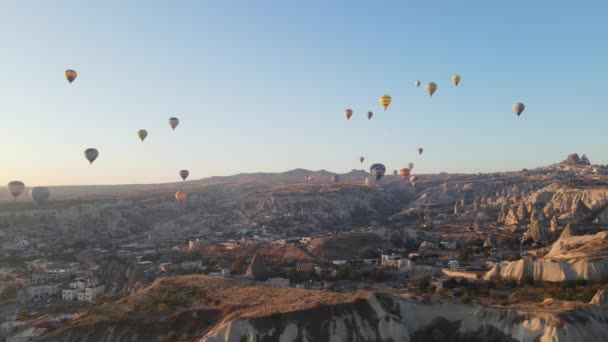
[
  {"x": 451, "y": 283},
  {"x": 527, "y": 279}
]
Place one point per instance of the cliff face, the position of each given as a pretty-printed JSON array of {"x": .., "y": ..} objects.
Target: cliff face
[
  {"x": 206, "y": 309},
  {"x": 383, "y": 318}
]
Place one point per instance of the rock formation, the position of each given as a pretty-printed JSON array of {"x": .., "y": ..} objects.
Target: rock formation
[
  {"x": 257, "y": 268},
  {"x": 511, "y": 218},
  {"x": 537, "y": 233}
]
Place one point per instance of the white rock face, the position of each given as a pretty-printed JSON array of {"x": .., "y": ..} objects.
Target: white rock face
[
  {"x": 383, "y": 318},
  {"x": 544, "y": 270}
]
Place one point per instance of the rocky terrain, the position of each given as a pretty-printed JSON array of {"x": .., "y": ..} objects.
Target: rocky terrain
[
  {"x": 545, "y": 225},
  {"x": 219, "y": 310}
]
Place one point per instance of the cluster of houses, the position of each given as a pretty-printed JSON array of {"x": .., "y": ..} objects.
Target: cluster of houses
[
  {"x": 44, "y": 285},
  {"x": 82, "y": 290}
]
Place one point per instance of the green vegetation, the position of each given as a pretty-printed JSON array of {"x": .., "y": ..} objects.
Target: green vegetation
[{"x": 172, "y": 298}]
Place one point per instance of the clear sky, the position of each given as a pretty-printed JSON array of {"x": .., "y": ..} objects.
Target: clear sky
[{"x": 262, "y": 85}]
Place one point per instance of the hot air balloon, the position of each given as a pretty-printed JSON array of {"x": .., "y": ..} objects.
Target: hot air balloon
[
  {"x": 377, "y": 171},
  {"x": 518, "y": 108},
  {"x": 181, "y": 196},
  {"x": 91, "y": 154},
  {"x": 431, "y": 88},
  {"x": 410, "y": 166},
  {"x": 184, "y": 174},
  {"x": 173, "y": 122},
  {"x": 348, "y": 113},
  {"x": 71, "y": 75},
  {"x": 142, "y": 133},
  {"x": 371, "y": 181},
  {"x": 369, "y": 115},
  {"x": 413, "y": 180},
  {"x": 16, "y": 188},
  {"x": 40, "y": 195},
  {"x": 384, "y": 100},
  {"x": 456, "y": 79},
  {"x": 361, "y": 159},
  {"x": 335, "y": 179},
  {"x": 404, "y": 173},
  {"x": 417, "y": 83},
  {"x": 420, "y": 150}
]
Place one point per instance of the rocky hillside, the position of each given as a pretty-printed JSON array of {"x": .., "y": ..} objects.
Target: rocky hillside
[{"x": 206, "y": 309}]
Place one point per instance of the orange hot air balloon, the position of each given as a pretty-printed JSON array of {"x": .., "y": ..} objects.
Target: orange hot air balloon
[
  {"x": 71, "y": 75},
  {"x": 348, "y": 113},
  {"x": 404, "y": 173},
  {"x": 180, "y": 196}
]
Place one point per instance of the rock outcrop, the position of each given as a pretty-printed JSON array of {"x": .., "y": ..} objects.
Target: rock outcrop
[
  {"x": 511, "y": 219},
  {"x": 257, "y": 268},
  {"x": 537, "y": 233}
]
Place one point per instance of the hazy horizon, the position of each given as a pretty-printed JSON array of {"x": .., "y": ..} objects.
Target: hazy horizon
[{"x": 262, "y": 88}]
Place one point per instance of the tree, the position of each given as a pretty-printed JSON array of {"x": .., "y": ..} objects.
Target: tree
[
  {"x": 237, "y": 267},
  {"x": 376, "y": 275},
  {"x": 354, "y": 275},
  {"x": 464, "y": 255},
  {"x": 23, "y": 315},
  {"x": 369, "y": 253}
]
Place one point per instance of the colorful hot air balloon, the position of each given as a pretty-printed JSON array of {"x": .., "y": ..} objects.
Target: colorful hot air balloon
[
  {"x": 377, "y": 171},
  {"x": 420, "y": 150},
  {"x": 91, "y": 154},
  {"x": 384, "y": 100},
  {"x": 369, "y": 115},
  {"x": 518, "y": 108},
  {"x": 348, "y": 113},
  {"x": 410, "y": 166},
  {"x": 371, "y": 181},
  {"x": 417, "y": 83},
  {"x": 456, "y": 79},
  {"x": 431, "y": 88},
  {"x": 361, "y": 159},
  {"x": 71, "y": 75},
  {"x": 16, "y": 188},
  {"x": 142, "y": 133},
  {"x": 335, "y": 179},
  {"x": 173, "y": 122},
  {"x": 413, "y": 180},
  {"x": 40, "y": 195},
  {"x": 181, "y": 196},
  {"x": 404, "y": 173},
  {"x": 184, "y": 174}
]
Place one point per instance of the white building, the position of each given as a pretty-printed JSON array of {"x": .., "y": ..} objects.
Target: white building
[
  {"x": 90, "y": 293},
  {"x": 395, "y": 261},
  {"x": 38, "y": 292},
  {"x": 69, "y": 294},
  {"x": 82, "y": 290}
]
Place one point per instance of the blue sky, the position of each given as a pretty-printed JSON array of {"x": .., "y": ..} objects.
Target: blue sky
[{"x": 261, "y": 86}]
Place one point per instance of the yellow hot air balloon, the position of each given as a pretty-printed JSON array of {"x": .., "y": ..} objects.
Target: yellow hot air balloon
[
  {"x": 385, "y": 100},
  {"x": 181, "y": 196},
  {"x": 142, "y": 133},
  {"x": 456, "y": 79},
  {"x": 431, "y": 88},
  {"x": 71, "y": 75}
]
